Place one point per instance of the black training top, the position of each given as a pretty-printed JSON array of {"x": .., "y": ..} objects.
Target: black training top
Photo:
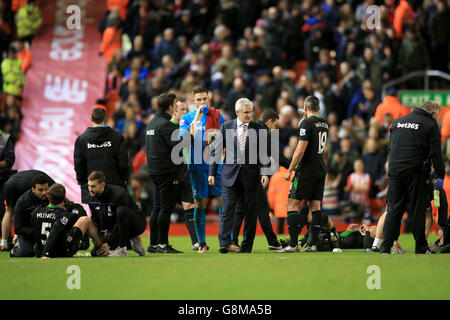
[
  {"x": 104, "y": 207},
  {"x": 415, "y": 139},
  {"x": 101, "y": 149},
  {"x": 160, "y": 139},
  {"x": 22, "y": 213}
]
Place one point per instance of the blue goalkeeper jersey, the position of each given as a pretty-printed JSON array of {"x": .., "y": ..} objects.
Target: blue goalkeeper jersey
[{"x": 185, "y": 124}]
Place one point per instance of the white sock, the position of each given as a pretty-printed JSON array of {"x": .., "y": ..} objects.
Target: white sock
[
  {"x": 5, "y": 243},
  {"x": 376, "y": 243}
]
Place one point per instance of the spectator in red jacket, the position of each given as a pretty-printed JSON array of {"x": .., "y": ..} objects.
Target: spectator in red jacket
[
  {"x": 391, "y": 105},
  {"x": 403, "y": 15}
]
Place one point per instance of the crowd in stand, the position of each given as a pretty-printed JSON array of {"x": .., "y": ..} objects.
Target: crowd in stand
[
  {"x": 256, "y": 49},
  {"x": 19, "y": 22}
]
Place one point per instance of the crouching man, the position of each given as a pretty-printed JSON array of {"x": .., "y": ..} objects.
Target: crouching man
[{"x": 114, "y": 212}]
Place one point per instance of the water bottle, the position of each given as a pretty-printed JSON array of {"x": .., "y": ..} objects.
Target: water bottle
[{"x": 205, "y": 109}]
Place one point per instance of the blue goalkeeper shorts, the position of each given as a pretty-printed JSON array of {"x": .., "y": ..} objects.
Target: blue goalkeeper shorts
[{"x": 200, "y": 187}]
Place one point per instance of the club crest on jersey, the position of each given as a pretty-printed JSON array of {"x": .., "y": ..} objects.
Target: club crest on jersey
[
  {"x": 303, "y": 132},
  {"x": 64, "y": 220},
  {"x": 109, "y": 211}
]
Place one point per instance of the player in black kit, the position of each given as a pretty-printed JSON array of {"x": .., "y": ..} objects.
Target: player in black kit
[
  {"x": 309, "y": 179},
  {"x": 77, "y": 209},
  {"x": 59, "y": 233}
]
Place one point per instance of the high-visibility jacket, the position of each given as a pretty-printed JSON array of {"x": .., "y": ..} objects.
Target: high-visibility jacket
[
  {"x": 391, "y": 105},
  {"x": 121, "y": 5},
  {"x": 13, "y": 77},
  {"x": 278, "y": 192},
  {"x": 112, "y": 40},
  {"x": 29, "y": 20},
  {"x": 403, "y": 14},
  {"x": 26, "y": 57}
]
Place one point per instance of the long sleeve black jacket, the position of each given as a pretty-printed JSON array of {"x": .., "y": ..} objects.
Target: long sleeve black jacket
[
  {"x": 160, "y": 140},
  {"x": 101, "y": 149},
  {"x": 415, "y": 140}
]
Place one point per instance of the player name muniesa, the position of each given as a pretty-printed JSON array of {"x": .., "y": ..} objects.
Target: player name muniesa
[{"x": 46, "y": 215}]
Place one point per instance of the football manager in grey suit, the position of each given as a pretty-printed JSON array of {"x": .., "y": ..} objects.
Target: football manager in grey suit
[{"x": 241, "y": 173}]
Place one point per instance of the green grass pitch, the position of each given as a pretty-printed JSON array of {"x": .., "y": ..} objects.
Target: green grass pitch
[{"x": 260, "y": 275}]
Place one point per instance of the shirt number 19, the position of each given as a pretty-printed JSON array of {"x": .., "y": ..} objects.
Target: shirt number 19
[{"x": 322, "y": 141}]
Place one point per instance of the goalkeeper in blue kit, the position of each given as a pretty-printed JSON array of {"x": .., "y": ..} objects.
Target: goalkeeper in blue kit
[{"x": 201, "y": 126}]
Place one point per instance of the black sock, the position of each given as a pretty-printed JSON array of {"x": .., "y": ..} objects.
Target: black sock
[
  {"x": 302, "y": 218},
  {"x": 333, "y": 230},
  {"x": 315, "y": 224},
  {"x": 73, "y": 240},
  {"x": 189, "y": 220},
  {"x": 293, "y": 227},
  {"x": 280, "y": 225}
]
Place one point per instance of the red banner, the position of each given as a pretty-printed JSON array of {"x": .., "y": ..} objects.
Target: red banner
[{"x": 66, "y": 77}]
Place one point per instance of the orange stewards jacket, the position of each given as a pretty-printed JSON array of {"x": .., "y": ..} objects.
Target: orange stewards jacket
[
  {"x": 112, "y": 40},
  {"x": 278, "y": 192},
  {"x": 390, "y": 105},
  {"x": 121, "y": 5}
]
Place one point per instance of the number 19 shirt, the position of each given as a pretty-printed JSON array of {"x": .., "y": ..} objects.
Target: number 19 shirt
[{"x": 314, "y": 130}]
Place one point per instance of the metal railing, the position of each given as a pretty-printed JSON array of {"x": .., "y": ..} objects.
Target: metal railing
[{"x": 426, "y": 74}]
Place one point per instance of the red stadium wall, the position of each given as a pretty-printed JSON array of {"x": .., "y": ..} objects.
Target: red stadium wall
[{"x": 66, "y": 77}]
